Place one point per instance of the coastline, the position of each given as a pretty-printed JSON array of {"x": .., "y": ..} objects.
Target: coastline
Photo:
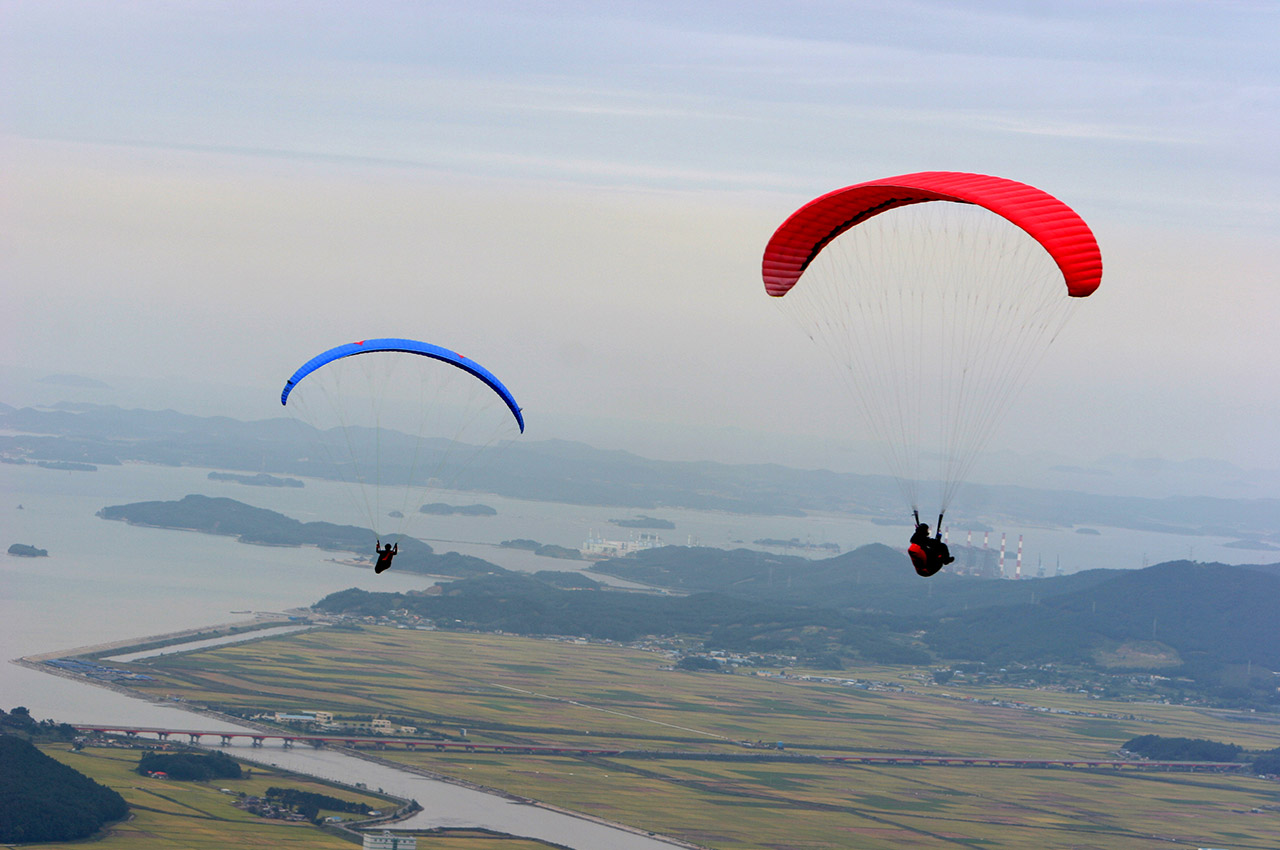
[
  {"x": 265, "y": 620},
  {"x": 260, "y": 620}
]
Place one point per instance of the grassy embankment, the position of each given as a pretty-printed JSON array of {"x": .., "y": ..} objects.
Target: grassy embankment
[
  {"x": 171, "y": 815},
  {"x": 517, "y": 690}
]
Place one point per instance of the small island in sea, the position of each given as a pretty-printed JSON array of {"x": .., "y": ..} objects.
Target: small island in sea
[
  {"x": 22, "y": 550},
  {"x": 547, "y": 550},
  {"x": 442, "y": 509},
  {"x": 268, "y": 528},
  {"x": 66, "y": 465},
  {"x": 262, "y": 479},
  {"x": 644, "y": 522},
  {"x": 1255, "y": 545},
  {"x": 796, "y": 543}
]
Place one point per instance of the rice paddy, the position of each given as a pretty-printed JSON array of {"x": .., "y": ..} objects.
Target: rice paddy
[{"x": 692, "y": 784}]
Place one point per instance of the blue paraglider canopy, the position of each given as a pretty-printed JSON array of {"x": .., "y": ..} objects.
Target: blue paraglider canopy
[{"x": 405, "y": 346}]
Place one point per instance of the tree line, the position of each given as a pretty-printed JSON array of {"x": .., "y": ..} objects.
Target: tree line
[{"x": 189, "y": 766}]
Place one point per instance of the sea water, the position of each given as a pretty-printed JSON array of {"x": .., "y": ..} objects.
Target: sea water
[{"x": 107, "y": 581}]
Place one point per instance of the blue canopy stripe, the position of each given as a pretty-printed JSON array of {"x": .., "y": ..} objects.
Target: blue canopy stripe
[{"x": 406, "y": 346}]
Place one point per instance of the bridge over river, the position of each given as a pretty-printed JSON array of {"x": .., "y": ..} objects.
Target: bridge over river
[{"x": 289, "y": 739}]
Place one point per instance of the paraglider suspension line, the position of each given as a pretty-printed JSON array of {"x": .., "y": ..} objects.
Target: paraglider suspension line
[{"x": 938, "y": 531}]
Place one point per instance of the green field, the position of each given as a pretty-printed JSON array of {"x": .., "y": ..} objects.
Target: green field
[
  {"x": 519, "y": 690},
  {"x": 170, "y": 815},
  {"x": 167, "y": 814}
]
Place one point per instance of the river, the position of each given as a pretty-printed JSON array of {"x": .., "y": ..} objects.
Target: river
[{"x": 108, "y": 581}]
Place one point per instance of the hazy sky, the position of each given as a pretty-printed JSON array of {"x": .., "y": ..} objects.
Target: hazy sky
[{"x": 578, "y": 194}]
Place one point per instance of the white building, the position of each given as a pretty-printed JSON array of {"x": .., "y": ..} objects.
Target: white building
[
  {"x": 597, "y": 545},
  {"x": 390, "y": 841}
]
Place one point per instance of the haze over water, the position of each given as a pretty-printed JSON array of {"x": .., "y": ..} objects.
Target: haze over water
[{"x": 107, "y": 581}]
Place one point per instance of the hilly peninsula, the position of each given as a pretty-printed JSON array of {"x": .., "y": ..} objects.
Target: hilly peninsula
[
  {"x": 217, "y": 515},
  {"x": 1206, "y": 630}
]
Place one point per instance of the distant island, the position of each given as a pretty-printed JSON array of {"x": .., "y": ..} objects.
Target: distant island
[
  {"x": 546, "y": 550},
  {"x": 573, "y": 473},
  {"x": 79, "y": 381},
  {"x": 1255, "y": 545},
  {"x": 972, "y": 525},
  {"x": 521, "y": 543},
  {"x": 66, "y": 465},
  {"x": 796, "y": 543},
  {"x": 1088, "y": 531},
  {"x": 24, "y": 551},
  {"x": 262, "y": 479},
  {"x": 441, "y": 509},
  {"x": 269, "y": 528},
  {"x": 644, "y": 522}
]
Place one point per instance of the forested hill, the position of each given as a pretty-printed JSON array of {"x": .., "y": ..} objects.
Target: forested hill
[
  {"x": 1195, "y": 617},
  {"x": 1212, "y": 622},
  {"x": 258, "y": 525},
  {"x": 1190, "y": 613},
  {"x": 872, "y": 578},
  {"x": 42, "y": 799},
  {"x": 526, "y": 605}
]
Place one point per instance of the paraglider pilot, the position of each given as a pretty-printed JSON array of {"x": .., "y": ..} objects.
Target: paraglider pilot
[
  {"x": 385, "y": 554},
  {"x": 928, "y": 554}
]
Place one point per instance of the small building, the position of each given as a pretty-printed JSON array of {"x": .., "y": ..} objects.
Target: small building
[
  {"x": 977, "y": 561},
  {"x": 598, "y": 547},
  {"x": 390, "y": 841}
]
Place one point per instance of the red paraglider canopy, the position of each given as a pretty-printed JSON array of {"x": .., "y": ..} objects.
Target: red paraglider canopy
[{"x": 1053, "y": 224}]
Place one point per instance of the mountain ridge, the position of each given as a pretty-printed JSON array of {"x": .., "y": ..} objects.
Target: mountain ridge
[{"x": 576, "y": 473}]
